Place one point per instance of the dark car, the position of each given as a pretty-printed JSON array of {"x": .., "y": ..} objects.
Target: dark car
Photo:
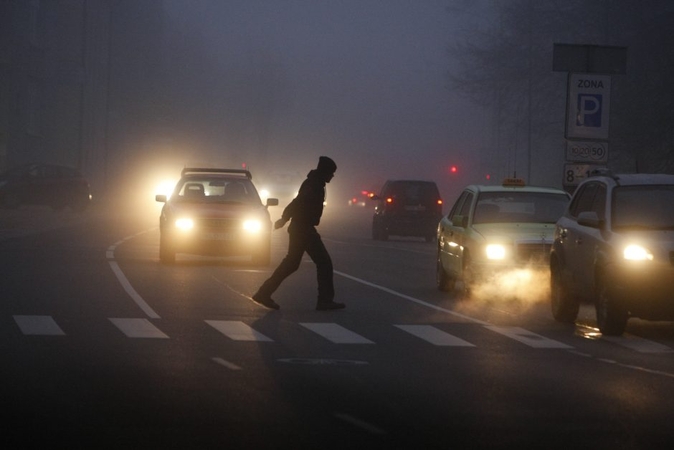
[
  {"x": 407, "y": 208},
  {"x": 44, "y": 184},
  {"x": 614, "y": 247},
  {"x": 215, "y": 212}
]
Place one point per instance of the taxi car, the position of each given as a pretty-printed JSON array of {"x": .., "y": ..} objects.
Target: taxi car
[
  {"x": 614, "y": 247},
  {"x": 215, "y": 212},
  {"x": 493, "y": 228}
]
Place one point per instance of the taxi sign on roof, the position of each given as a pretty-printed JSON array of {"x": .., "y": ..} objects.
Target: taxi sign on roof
[{"x": 513, "y": 182}]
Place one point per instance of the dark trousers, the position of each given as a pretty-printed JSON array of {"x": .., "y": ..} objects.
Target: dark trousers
[{"x": 303, "y": 239}]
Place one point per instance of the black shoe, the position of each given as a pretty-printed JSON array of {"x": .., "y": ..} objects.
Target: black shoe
[
  {"x": 267, "y": 302},
  {"x": 326, "y": 306}
]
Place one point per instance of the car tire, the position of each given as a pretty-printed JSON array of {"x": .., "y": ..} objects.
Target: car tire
[
  {"x": 167, "y": 254},
  {"x": 444, "y": 282},
  {"x": 564, "y": 306},
  {"x": 611, "y": 314},
  {"x": 379, "y": 232},
  {"x": 467, "y": 275}
]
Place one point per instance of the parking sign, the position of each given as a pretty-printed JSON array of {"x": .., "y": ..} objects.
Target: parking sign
[{"x": 588, "y": 106}]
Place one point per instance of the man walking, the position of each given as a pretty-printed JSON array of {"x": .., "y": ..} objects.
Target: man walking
[{"x": 304, "y": 213}]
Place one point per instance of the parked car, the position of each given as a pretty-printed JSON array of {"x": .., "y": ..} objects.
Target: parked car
[
  {"x": 614, "y": 247},
  {"x": 44, "y": 184},
  {"x": 406, "y": 208},
  {"x": 495, "y": 228},
  {"x": 215, "y": 212}
]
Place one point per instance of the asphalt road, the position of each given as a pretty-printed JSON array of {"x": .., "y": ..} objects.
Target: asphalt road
[{"x": 104, "y": 347}]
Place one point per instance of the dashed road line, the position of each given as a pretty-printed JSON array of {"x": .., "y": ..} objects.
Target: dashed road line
[
  {"x": 434, "y": 336},
  {"x": 138, "y": 328},
  {"x": 38, "y": 325},
  {"x": 238, "y": 331}
]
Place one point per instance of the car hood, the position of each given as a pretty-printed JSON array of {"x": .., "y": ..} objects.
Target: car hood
[
  {"x": 510, "y": 232},
  {"x": 215, "y": 210}
]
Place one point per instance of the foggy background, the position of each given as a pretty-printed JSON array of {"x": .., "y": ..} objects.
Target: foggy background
[
  {"x": 132, "y": 91},
  {"x": 363, "y": 82}
]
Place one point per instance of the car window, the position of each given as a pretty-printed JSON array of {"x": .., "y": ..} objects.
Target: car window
[
  {"x": 217, "y": 190},
  {"x": 519, "y": 207},
  {"x": 414, "y": 191},
  {"x": 643, "y": 207},
  {"x": 460, "y": 206},
  {"x": 583, "y": 199}
]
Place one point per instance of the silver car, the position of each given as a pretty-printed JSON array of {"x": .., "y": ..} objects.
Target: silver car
[{"x": 614, "y": 247}]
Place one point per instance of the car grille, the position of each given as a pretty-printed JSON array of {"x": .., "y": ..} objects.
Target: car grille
[
  {"x": 219, "y": 224},
  {"x": 535, "y": 253}
]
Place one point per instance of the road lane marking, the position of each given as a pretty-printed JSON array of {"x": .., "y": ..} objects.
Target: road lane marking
[
  {"x": 638, "y": 344},
  {"x": 412, "y": 299},
  {"x": 360, "y": 423},
  {"x": 225, "y": 363},
  {"x": 38, "y": 326},
  {"x": 238, "y": 331},
  {"x": 110, "y": 255},
  {"x": 336, "y": 333},
  {"x": 527, "y": 337},
  {"x": 434, "y": 336},
  {"x": 138, "y": 328}
]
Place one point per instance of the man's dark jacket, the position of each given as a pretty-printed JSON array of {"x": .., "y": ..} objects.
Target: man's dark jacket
[{"x": 306, "y": 209}]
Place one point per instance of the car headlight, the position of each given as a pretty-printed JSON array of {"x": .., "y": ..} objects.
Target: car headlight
[
  {"x": 495, "y": 251},
  {"x": 637, "y": 253},
  {"x": 252, "y": 226},
  {"x": 184, "y": 224}
]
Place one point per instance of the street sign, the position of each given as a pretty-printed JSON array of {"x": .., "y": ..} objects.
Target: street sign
[
  {"x": 588, "y": 106},
  {"x": 575, "y": 173},
  {"x": 587, "y": 151}
]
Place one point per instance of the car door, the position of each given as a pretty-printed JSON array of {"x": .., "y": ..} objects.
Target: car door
[
  {"x": 580, "y": 248},
  {"x": 452, "y": 232}
]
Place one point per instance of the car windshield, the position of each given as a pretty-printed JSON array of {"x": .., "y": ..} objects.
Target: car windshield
[
  {"x": 216, "y": 190},
  {"x": 643, "y": 207},
  {"x": 415, "y": 191},
  {"x": 519, "y": 207}
]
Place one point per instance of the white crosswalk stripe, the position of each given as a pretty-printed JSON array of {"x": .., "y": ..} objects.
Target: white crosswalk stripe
[
  {"x": 336, "y": 333},
  {"x": 528, "y": 338},
  {"x": 434, "y": 336},
  {"x": 138, "y": 328},
  {"x": 238, "y": 331},
  {"x": 44, "y": 325},
  {"x": 38, "y": 326}
]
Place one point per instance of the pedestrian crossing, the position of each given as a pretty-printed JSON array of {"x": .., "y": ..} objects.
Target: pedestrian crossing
[{"x": 140, "y": 328}]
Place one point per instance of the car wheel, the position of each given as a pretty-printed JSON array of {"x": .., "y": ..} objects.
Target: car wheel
[
  {"x": 467, "y": 275},
  {"x": 375, "y": 231},
  {"x": 167, "y": 253},
  {"x": 564, "y": 306},
  {"x": 611, "y": 314},
  {"x": 445, "y": 282}
]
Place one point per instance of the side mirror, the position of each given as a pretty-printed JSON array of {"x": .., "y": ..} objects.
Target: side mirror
[
  {"x": 272, "y": 202},
  {"x": 160, "y": 198},
  {"x": 590, "y": 219}
]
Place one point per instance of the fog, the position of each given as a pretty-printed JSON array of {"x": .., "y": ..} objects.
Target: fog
[{"x": 364, "y": 82}]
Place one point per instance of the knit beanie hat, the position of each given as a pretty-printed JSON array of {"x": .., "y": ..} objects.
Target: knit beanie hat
[{"x": 326, "y": 165}]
